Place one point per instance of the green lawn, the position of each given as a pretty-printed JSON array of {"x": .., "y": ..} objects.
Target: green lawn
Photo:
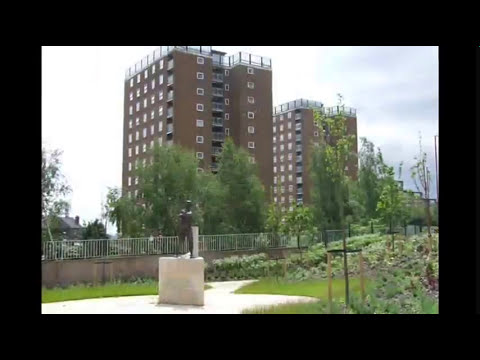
[
  {"x": 313, "y": 288},
  {"x": 80, "y": 292},
  {"x": 299, "y": 308}
]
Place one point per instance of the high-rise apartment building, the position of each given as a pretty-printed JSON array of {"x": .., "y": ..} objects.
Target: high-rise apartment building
[
  {"x": 194, "y": 96},
  {"x": 294, "y": 135}
]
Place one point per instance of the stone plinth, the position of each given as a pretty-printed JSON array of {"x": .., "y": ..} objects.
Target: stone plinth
[{"x": 181, "y": 281}]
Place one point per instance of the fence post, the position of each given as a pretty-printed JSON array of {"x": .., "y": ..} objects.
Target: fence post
[
  {"x": 371, "y": 226},
  {"x": 329, "y": 272},
  {"x": 349, "y": 231}
]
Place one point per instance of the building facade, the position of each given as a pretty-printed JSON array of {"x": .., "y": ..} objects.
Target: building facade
[
  {"x": 294, "y": 136},
  {"x": 195, "y": 97}
]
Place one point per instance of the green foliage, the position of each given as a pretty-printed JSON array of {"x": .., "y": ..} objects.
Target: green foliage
[
  {"x": 298, "y": 222},
  {"x": 94, "y": 230}
]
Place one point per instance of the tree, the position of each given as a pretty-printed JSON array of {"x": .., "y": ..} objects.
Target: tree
[
  {"x": 275, "y": 216},
  {"x": 422, "y": 178},
  {"x": 298, "y": 222},
  {"x": 94, "y": 230},
  {"x": 328, "y": 164},
  {"x": 244, "y": 193},
  {"x": 54, "y": 189}
]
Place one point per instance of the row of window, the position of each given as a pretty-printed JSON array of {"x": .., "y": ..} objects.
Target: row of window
[
  {"x": 282, "y": 168},
  {"x": 281, "y": 138},
  {"x": 282, "y": 157},
  {"x": 282, "y": 178},
  {"x": 289, "y": 126},
  {"x": 282, "y": 200},
  {"x": 282, "y": 147},
  {"x": 289, "y": 116},
  {"x": 282, "y": 189}
]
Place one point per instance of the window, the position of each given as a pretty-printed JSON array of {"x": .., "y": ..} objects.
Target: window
[
  {"x": 160, "y": 95},
  {"x": 160, "y": 126},
  {"x": 136, "y": 150},
  {"x": 200, "y": 60},
  {"x": 138, "y": 78},
  {"x": 200, "y": 154},
  {"x": 274, "y": 179},
  {"x": 282, "y": 179},
  {"x": 199, "y": 123},
  {"x": 130, "y": 124},
  {"x": 275, "y": 149},
  {"x": 274, "y": 129},
  {"x": 290, "y": 167},
  {"x": 137, "y": 136},
  {"x": 275, "y": 190},
  {"x": 200, "y": 75},
  {"x": 251, "y": 130},
  {"x": 152, "y": 99},
  {"x": 153, "y": 69},
  {"x": 251, "y": 145},
  {"x": 129, "y": 181},
  {"x": 129, "y": 152},
  {"x": 138, "y": 92},
  {"x": 200, "y": 91},
  {"x": 129, "y": 138},
  {"x": 274, "y": 139},
  {"x": 227, "y": 101},
  {"x": 160, "y": 80},
  {"x": 251, "y": 115},
  {"x": 151, "y": 146},
  {"x": 289, "y": 115},
  {"x": 227, "y": 116},
  {"x": 282, "y": 189},
  {"x": 153, "y": 84},
  {"x": 136, "y": 194},
  {"x": 274, "y": 119},
  {"x": 290, "y": 187},
  {"x": 160, "y": 111},
  {"x": 281, "y": 117},
  {"x": 290, "y": 198},
  {"x": 289, "y": 136},
  {"x": 346, "y": 168},
  {"x": 251, "y": 100},
  {"x": 129, "y": 166},
  {"x": 161, "y": 64},
  {"x": 281, "y": 137},
  {"x": 131, "y": 95},
  {"x": 274, "y": 159},
  {"x": 227, "y": 131},
  {"x": 251, "y": 159},
  {"x": 250, "y": 70},
  {"x": 137, "y": 121},
  {"x": 227, "y": 72},
  {"x": 144, "y": 133},
  {"x": 282, "y": 201},
  {"x": 145, "y": 102},
  {"x": 145, "y": 88},
  {"x": 137, "y": 106},
  {"x": 282, "y": 158},
  {"x": 131, "y": 82},
  {"x": 136, "y": 164},
  {"x": 146, "y": 74},
  {"x": 290, "y": 177},
  {"x": 274, "y": 199},
  {"x": 160, "y": 140},
  {"x": 290, "y": 146},
  {"x": 227, "y": 87},
  {"x": 250, "y": 85},
  {"x": 130, "y": 110},
  {"x": 282, "y": 168},
  {"x": 281, "y": 127},
  {"x": 152, "y": 129},
  {"x": 144, "y": 148},
  {"x": 315, "y": 133},
  {"x": 152, "y": 114},
  {"x": 200, "y": 139},
  {"x": 281, "y": 147},
  {"x": 274, "y": 169},
  {"x": 136, "y": 180},
  {"x": 289, "y": 125},
  {"x": 145, "y": 117},
  {"x": 290, "y": 155},
  {"x": 199, "y": 107}
]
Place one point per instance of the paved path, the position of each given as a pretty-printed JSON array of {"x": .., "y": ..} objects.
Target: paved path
[{"x": 218, "y": 300}]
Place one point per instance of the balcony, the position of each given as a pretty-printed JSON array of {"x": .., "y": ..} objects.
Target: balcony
[
  {"x": 216, "y": 150},
  {"x": 217, "y": 121},
  {"x": 169, "y": 129},
  {"x": 217, "y": 78},
  {"x": 299, "y": 169},
  {"x": 299, "y": 191},
  {"x": 214, "y": 167},
  {"x": 170, "y": 80},
  {"x": 298, "y": 138},
  {"x": 169, "y": 113},
  {"x": 298, "y": 116},
  {"x": 170, "y": 96},
  {"x": 299, "y": 180},
  {"x": 298, "y": 127},
  {"x": 218, "y": 107},
  {"x": 170, "y": 65},
  {"x": 217, "y": 92},
  {"x": 299, "y": 159},
  {"x": 218, "y": 137},
  {"x": 297, "y": 104},
  {"x": 299, "y": 148}
]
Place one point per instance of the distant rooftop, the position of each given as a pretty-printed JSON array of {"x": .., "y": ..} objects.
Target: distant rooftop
[
  {"x": 335, "y": 110},
  {"x": 217, "y": 57},
  {"x": 297, "y": 104}
]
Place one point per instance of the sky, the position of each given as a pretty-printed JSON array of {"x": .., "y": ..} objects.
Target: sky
[{"x": 394, "y": 89}]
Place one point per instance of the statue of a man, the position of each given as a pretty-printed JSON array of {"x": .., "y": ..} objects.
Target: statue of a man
[{"x": 186, "y": 229}]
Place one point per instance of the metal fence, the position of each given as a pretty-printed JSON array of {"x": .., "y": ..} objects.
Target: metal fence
[{"x": 165, "y": 245}]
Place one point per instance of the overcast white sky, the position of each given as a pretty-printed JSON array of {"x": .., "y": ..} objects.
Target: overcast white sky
[{"x": 394, "y": 89}]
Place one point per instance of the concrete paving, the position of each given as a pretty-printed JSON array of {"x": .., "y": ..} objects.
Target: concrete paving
[{"x": 218, "y": 300}]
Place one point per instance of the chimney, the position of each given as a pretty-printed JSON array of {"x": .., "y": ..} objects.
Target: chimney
[{"x": 77, "y": 220}]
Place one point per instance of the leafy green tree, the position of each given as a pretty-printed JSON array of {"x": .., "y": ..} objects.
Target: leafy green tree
[
  {"x": 298, "y": 222},
  {"x": 329, "y": 160},
  {"x": 244, "y": 193},
  {"x": 94, "y": 230},
  {"x": 211, "y": 205},
  {"x": 54, "y": 189}
]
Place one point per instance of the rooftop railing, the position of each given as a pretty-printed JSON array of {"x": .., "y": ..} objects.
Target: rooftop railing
[
  {"x": 297, "y": 104},
  {"x": 340, "y": 110}
]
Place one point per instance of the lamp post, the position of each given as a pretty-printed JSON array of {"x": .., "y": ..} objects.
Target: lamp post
[{"x": 436, "y": 165}]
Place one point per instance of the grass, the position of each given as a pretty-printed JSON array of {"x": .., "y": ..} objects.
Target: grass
[
  {"x": 295, "y": 308},
  {"x": 312, "y": 288},
  {"x": 80, "y": 292}
]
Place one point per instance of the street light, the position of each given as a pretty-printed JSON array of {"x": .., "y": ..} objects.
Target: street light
[{"x": 436, "y": 164}]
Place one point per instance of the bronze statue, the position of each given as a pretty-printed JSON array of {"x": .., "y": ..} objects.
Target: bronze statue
[{"x": 186, "y": 229}]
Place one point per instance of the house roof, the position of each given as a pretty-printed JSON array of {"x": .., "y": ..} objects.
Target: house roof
[{"x": 68, "y": 223}]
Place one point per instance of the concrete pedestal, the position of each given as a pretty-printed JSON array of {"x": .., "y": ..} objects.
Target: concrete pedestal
[{"x": 181, "y": 281}]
